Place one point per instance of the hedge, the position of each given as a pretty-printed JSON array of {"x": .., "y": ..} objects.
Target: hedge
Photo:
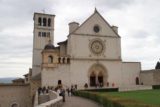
[
  {"x": 155, "y": 86},
  {"x": 110, "y": 101},
  {"x": 102, "y": 90}
]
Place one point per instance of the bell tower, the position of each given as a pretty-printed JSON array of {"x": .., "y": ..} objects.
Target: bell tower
[{"x": 43, "y": 32}]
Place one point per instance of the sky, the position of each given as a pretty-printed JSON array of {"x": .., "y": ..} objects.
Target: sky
[{"x": 137, "y": 20}]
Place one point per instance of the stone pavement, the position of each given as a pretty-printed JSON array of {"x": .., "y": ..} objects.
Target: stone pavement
[{"x": 74, "y": 101}]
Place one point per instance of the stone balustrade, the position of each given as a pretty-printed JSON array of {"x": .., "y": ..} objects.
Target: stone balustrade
[
  {"x": 52, "y": 103},
  {"x": 54, "y": 100},
  {"x": 63, "y": 60}
]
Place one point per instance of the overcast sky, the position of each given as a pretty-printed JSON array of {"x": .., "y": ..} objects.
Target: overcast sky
[{"x": 138, "y": 22}]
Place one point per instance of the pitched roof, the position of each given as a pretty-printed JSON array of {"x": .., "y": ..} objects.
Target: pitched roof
[{"x": 95, "y": 12}]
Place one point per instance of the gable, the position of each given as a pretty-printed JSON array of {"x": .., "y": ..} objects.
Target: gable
[{"x": 87, "y": 27}]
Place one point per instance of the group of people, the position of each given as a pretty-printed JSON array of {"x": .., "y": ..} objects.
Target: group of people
[
  {"x": 59, "y": 89},
  {"x": 71, "y": 90},
  {"x": 44, "y": 90},
  {"x": 61, "y": 92}
]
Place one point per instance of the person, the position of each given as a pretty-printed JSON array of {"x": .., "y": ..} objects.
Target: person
[
  {"x": 68, "y": 91},
  {"x": 39, "y": 90},
  {"x": 72, "y": 90},
  {"x": 75, "y": 86},
  {"x": 63, "y": 94},
  {"x": 47, "y": 90},
  {"x": 59, "y": 92},
  {"x": 44, "y": 90},
  {"x": 101, "y": 84},
  {"x": 107, "y": 84},
  {"x": 85, "y": 85}
]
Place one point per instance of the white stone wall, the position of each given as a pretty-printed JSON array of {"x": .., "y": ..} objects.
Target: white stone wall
[
  {"x": 147, "y": 78},
  {"x": 150, "y": 77},
  {"x": 51, "y": 76},
  {"x": 80, "y": 71},
  {"x": 80, "y": 48},
  {"x": 10, "y": 94},
  {"x": 63, "y": 50},
  {"x": 130, "y": 70},
  {"x": 77, "y": 72}
]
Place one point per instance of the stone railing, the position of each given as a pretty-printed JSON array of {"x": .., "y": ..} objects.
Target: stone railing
[{"x": 54, "y": 100}]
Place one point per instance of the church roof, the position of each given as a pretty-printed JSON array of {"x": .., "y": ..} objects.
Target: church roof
[
  {"x": 96, "y": 12},
  {"x": 49, "y": 46},
  {"x": 63, "y": 42}
]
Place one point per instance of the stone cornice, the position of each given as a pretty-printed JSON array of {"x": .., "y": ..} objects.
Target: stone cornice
[
  {"x": 95, "y": 35},
  {"x": 96, "y": 59}
]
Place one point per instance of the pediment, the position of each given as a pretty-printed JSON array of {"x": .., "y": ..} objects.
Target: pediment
[{"x": 89, "y": 26}]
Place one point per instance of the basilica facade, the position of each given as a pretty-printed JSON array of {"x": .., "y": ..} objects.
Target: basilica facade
[{"x": 91, "y": 54}]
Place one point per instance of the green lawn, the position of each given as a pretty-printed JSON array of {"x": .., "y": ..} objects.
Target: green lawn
[{"x": 145, "y": 96}]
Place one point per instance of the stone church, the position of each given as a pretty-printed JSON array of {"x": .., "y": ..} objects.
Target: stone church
[{"x": 91, "y": 54}]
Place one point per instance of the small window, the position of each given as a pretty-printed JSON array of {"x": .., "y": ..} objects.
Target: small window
[
  {"x": 39, "y": 21},
  {"x": 68, "y": 60},
  {"x": 59, "y": 60},
  {"x": 48, "y": 34},
  {"x": 50, "y": 59},
  {"x": 59, "y": 82},
  {"x": 43, "y": 34},
  {"x": 44, "y": 22},
  {"x": 39, "y": 34},
  {"x": 49, "y": 22}
]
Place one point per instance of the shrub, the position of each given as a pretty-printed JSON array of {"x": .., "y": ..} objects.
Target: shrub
[
  {"x": 156, "y": 86},
  {"x": 102, "y": 90}
]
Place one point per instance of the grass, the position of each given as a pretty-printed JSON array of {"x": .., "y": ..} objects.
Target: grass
[{"x": 145, "y": 96}]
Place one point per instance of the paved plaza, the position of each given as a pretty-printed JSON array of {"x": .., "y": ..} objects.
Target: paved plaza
[{"x": 79, "y": 102}]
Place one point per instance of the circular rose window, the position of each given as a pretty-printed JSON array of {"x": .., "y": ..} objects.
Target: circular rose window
[
  {"x": 96, "y": 28},
  {"x": 97, "y": 46}
]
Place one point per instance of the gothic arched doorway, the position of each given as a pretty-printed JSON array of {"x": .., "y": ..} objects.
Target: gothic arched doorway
[
  {"x": 100, "y": 79},
  {"x": 92, "y": 79},
  {"x": 137, "y": 81},
  {"x": 97, "y": 75}
]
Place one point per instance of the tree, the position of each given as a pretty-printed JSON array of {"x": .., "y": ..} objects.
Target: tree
[{"x": 157, "y": 65}]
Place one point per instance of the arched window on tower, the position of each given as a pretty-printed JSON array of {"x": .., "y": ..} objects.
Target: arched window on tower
[
  {"x": 50, "y": 59},
  {"x": 49, "y": 22},
  {"x": 39, "y": 21},
  {"x": 44, "y": 22}
]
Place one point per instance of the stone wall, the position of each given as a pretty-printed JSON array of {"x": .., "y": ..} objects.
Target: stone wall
[
  {"x": 15, "y": 94},
  {"x": 150, "y": 77},
  {"x": 34, "y": 84},
  {"x": 130, "y": 71}
]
